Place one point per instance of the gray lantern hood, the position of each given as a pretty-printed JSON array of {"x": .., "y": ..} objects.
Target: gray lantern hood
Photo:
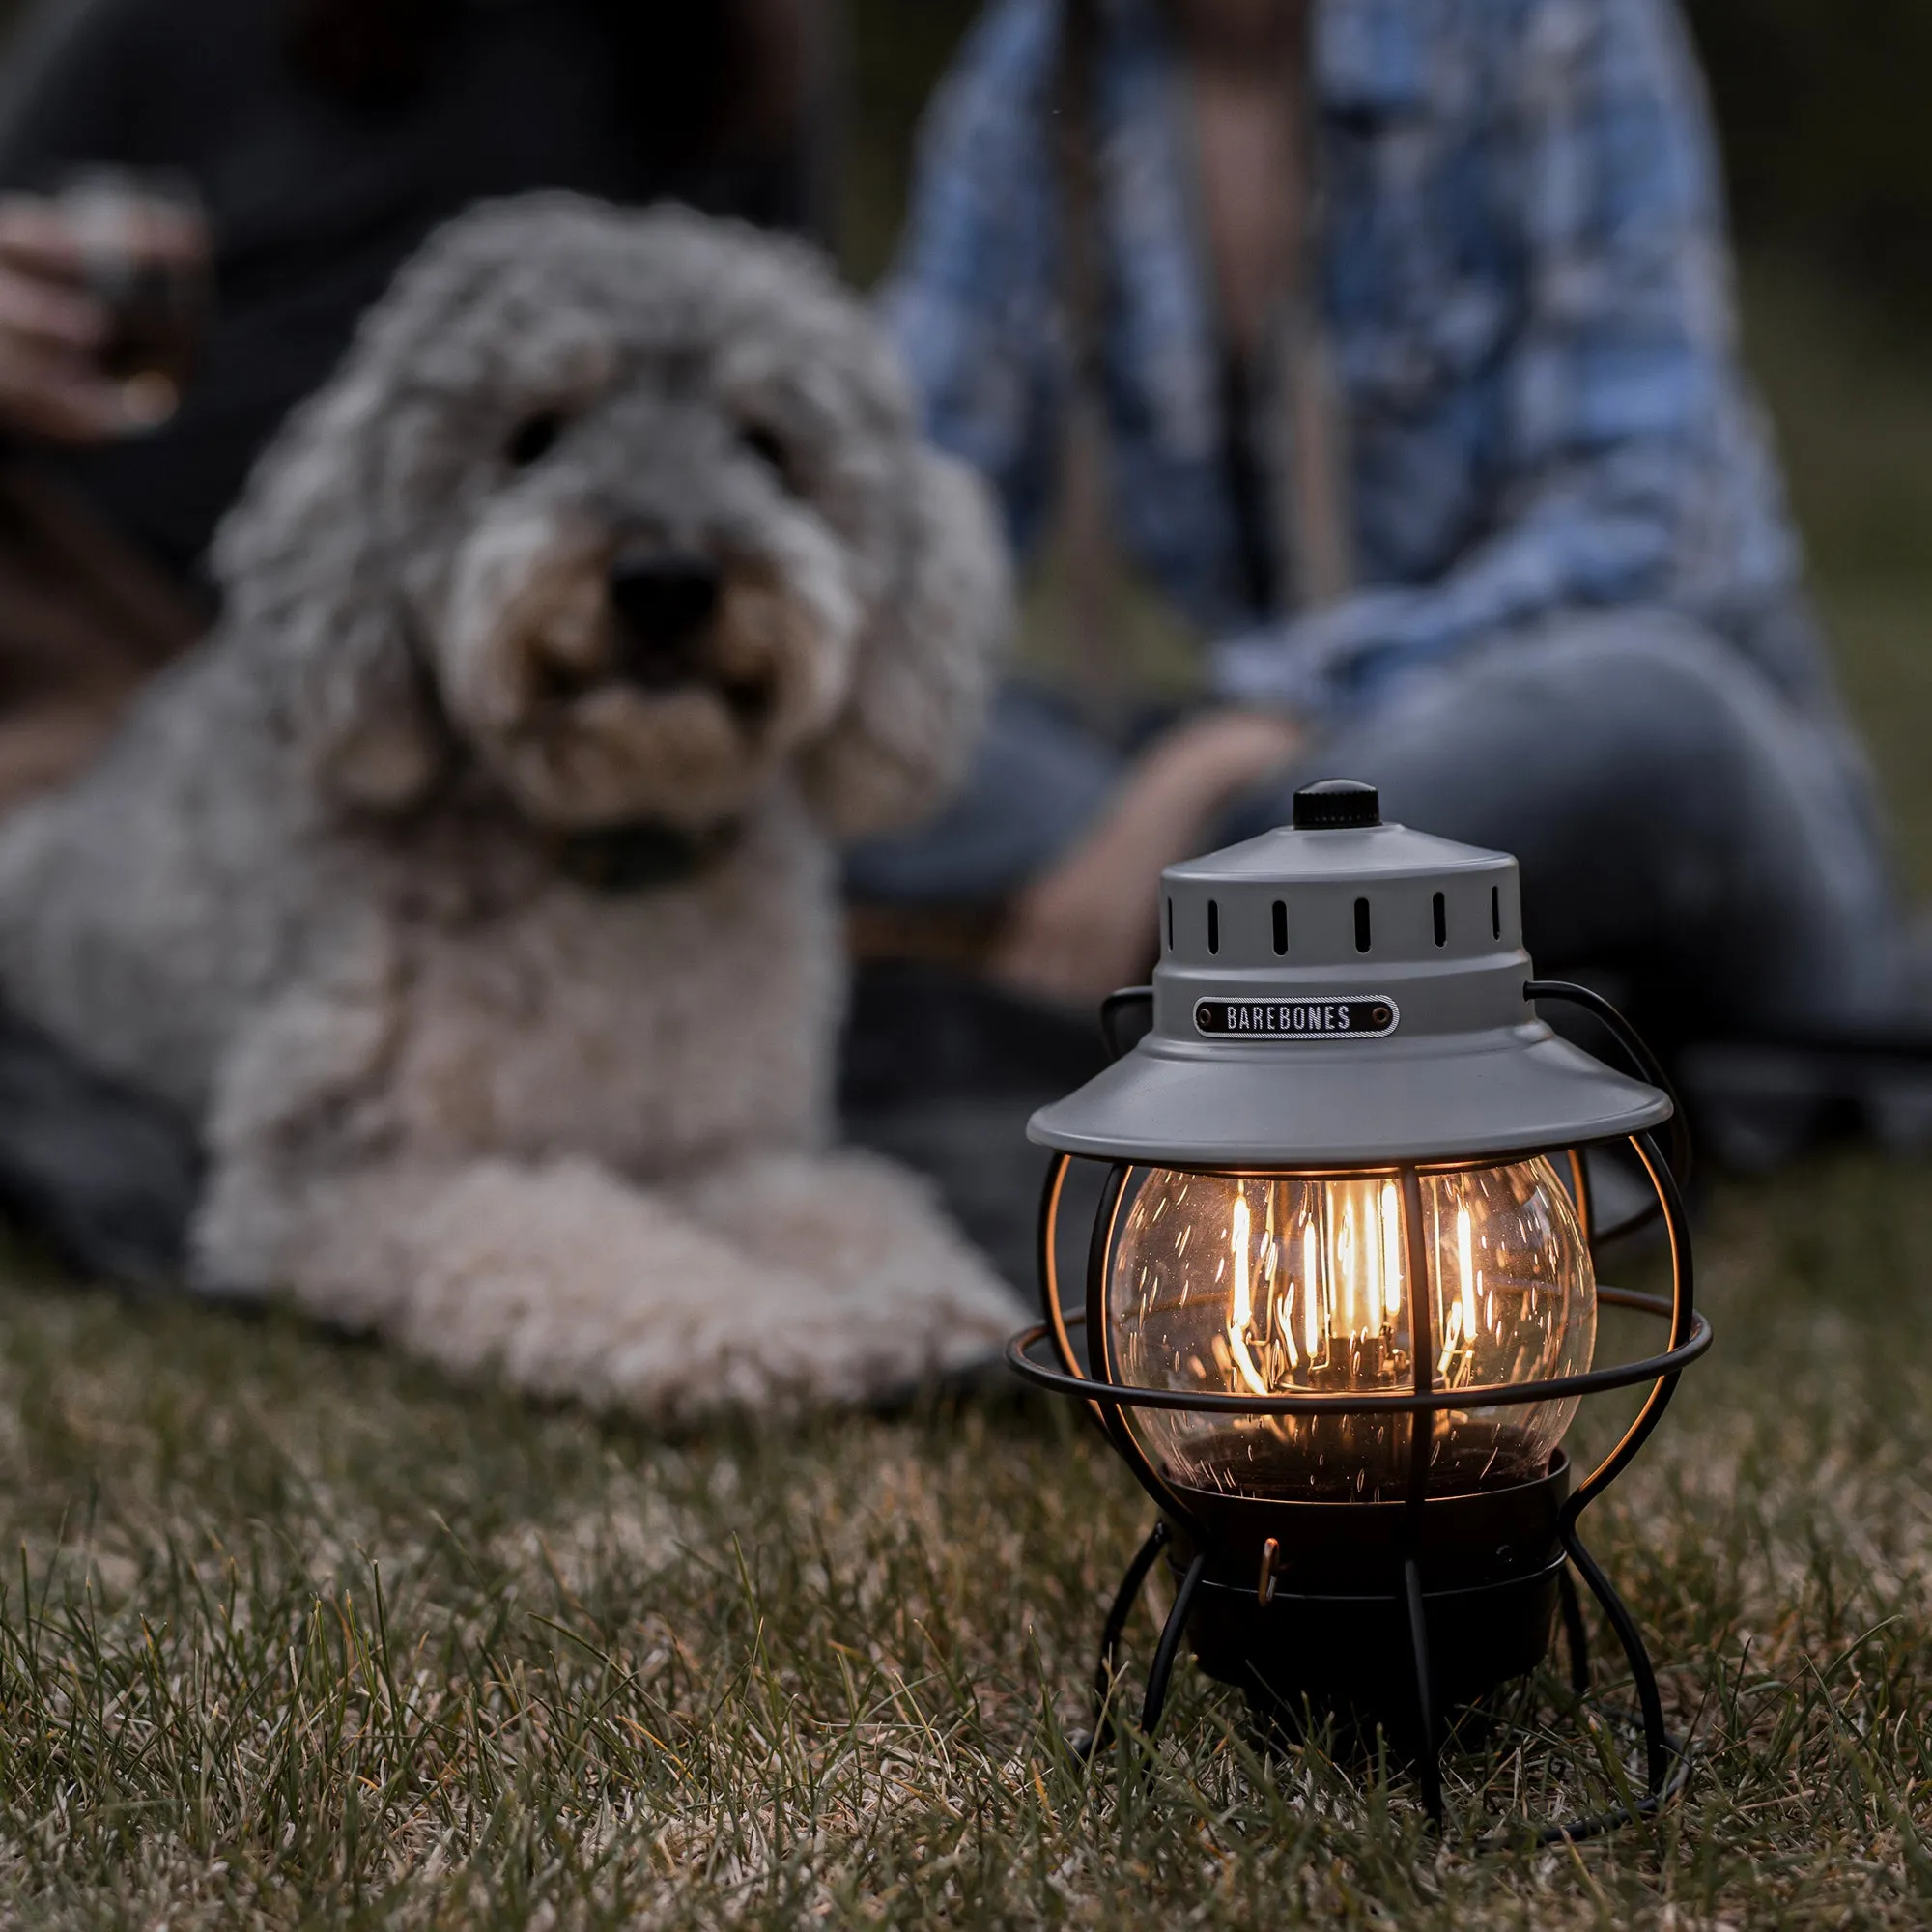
[{"x": 1343, "y": 992}]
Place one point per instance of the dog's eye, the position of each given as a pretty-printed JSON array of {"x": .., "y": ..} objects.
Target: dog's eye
[
  {"x": 534, "y": 439},
  {"x": 769, "y": 447}
]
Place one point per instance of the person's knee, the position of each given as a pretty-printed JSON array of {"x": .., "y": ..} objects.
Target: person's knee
[
  {"x": 1615, "y": 655},
  {"x": 1660, "y": 686},
  {"x": 1609, "y": 721}
]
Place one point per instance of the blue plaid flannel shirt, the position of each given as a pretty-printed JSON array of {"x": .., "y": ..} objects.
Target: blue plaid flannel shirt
[{"x": 1526, "y": 284}]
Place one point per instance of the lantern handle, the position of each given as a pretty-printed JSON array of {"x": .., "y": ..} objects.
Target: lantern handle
[
  {"x": 1495, "y": 1395},
  {"x": 1046, "y": 1256},
  {"x": 1107, "y": 1415},
  {"x": 1684, "y": 1327},
  {"x": 1117, "y": 1003},
  {"x": 1114, "y": 1420},
  {"x": 1637, "y": 1050}
]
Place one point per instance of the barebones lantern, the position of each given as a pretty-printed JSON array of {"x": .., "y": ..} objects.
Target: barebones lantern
[{"x": 1340, "y": 1293}]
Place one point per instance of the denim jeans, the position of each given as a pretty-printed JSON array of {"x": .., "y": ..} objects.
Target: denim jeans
[{"x": 1692, "y": 813}]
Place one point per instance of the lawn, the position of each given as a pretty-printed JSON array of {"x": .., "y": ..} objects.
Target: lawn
[{"x": 294, "y": 1632}]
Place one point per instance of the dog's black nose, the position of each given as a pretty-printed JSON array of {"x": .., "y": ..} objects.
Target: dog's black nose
[{"x": 663, "y": 605}]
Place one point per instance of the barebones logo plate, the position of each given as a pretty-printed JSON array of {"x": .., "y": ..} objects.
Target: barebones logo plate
[{"x": 1365, "y": 1017}]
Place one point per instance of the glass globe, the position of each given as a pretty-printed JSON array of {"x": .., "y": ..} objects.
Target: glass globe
[{"x": 1286, "y": 1284}]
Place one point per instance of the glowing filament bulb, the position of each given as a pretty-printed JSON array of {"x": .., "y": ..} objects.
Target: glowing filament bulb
[
  {"x": 1391, "y": 1254},
  {"x": 1345, "y": 1315},
  {"x": 1372, "y": 1272},
  {"x": 1311, "y": 1290},
  {"x": 1314, "y": 1288},
  {"x": 1244, "y": 1305},
  {"x": 1466, "y": 1260}
]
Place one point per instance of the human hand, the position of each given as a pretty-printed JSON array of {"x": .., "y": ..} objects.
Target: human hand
[
  {"x": 1089, "y": 924},
  {"x": 51, "y": 329},
  {"x": 54, "y": 329}
]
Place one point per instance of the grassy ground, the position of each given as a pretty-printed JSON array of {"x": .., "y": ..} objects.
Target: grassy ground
[
  {"x": 293, "y": 1633},
  {"x": 297, "y": 1634}
]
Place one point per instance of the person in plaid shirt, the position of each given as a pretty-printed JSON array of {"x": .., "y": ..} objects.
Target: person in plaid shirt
[{"x": 1394, "y": 342}]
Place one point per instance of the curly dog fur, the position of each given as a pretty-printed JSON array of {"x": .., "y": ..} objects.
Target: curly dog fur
[{"x": 609, "y": 521}]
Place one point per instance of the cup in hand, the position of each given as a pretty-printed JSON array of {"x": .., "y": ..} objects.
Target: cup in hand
[{"x": 141, "y": 246}]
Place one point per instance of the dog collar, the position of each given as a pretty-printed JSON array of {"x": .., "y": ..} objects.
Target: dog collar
[{"x": 641, "y": 858}]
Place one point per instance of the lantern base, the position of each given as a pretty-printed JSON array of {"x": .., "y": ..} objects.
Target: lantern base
[
  {"x": 1306, "y": 1604},
  {"x": 1457, "y": 1613},
  {"x": 1348, "y": 1658}
]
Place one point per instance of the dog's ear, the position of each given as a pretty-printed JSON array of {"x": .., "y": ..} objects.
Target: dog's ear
[
  {"x": 924, "y": 664},
  {"x": 308, "y": 581}
]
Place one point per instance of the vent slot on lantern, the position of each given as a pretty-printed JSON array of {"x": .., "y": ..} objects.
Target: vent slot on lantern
[
  {"x": 1362, "y": 935},
  {"x": 1214, "y": 927},
  {"x": 1280, "y": 926},
  {"x": 1170, "y": 925},
  {"x": 1496, "y": 910},
  {"x": 1442, "y": 920}
]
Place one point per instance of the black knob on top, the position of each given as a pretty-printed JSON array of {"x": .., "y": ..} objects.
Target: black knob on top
[{"x": 1337, "y": 804}]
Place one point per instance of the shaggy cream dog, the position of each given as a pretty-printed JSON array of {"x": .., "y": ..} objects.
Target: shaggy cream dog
[{"x": 475, "y": 884}]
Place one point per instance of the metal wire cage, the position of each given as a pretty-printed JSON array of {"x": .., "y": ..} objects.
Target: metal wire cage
[{"x": 1308, "y": 1598}]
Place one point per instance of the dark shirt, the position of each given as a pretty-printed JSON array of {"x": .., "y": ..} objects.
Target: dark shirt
[{"x": 314, "y": 202}]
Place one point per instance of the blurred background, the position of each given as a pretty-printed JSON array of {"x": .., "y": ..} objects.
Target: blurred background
[
  {"x": 1828, "y": 153},
  {"x": 187, "y": 1491},
  {"x": 1828, "y": 148}
]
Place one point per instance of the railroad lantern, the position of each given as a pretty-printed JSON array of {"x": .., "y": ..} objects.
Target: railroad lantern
[{"x": 1340, "y": 1291}]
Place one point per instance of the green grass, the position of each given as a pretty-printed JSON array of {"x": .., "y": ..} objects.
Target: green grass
[
  {"x": 294, "y": 1633},
  {"x": 300, "y": 1633}
]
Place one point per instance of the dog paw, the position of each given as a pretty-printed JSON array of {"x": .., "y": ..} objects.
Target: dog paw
[{"x": 900, "y": 1294}]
